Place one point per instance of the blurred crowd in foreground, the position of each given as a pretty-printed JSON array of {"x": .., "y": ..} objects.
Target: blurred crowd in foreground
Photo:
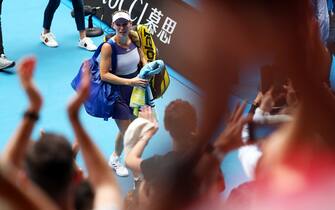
[{"x": 297, "y": 163}]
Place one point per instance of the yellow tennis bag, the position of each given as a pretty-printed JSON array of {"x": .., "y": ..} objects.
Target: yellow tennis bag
[{"x": 142, "y": 38}]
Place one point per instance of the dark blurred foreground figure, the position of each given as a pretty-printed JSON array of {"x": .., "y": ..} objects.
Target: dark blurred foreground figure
[
  {"x": 174, "y": 173},
  {"x": 180, "y": 120},
  {"x": 52, "y": 180},
  {"x": 297, "y": 168},
  {"x": 298, "y": 162},
  {"x": 49, "y": 164},
  {"x": 84, "y": 196}
]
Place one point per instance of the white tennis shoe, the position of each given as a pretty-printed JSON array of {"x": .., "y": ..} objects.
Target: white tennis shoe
[
  {"x": 87, "y": 44},
  {"x": 49, "y": 39},
  {"x": 115, "y": 164}
]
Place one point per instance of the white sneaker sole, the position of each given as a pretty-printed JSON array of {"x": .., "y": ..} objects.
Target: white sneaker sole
[
  {"x": 120, "y": 175},
  {"x": 86, "y": 48},
  {"x": 7, "y": 66}
]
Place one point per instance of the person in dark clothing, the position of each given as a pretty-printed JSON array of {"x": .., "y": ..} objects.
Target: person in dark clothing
[{"x": 49, "y": 39}]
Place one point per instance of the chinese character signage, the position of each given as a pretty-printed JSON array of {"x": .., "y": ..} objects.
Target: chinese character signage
[{"x": 163, "y": 18}]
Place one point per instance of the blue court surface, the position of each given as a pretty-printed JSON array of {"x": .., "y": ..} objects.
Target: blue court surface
[{"x": 22, "y": 25}]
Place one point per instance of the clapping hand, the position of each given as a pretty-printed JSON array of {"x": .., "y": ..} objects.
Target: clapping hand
[
  {"x": 230, "y": 138},
  {"x": 148, "y": 114},
  {"x": 26, "y": 69}
]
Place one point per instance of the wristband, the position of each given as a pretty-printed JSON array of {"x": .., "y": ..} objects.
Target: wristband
[
  {"x": 256, "y": 104},
  {"x": 31, "y": 115},
  {"x": 253, "y": 108}
]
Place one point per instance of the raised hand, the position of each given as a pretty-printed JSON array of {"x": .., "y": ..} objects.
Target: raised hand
[
  {"x": 147, "y": 113},
  {"x": 267, "y": 101},
  {"x": 230, "y": 138},
  {"x": 26, "y": 69},
  {"x": 15, "y": 150},
  {"x": 101, "y": 177},
  {"x": 291, "y": 96}
]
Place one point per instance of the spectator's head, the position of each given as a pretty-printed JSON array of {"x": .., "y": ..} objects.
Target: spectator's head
[
  {"x": 168, "y": 183},
  {"x": 180, "y": 120},
  {"x": 84, "y": 196},
  {"x": 179, "y": 181},
  {"x": 49, "y": 164},
  {"x": 131, "y": 201}
]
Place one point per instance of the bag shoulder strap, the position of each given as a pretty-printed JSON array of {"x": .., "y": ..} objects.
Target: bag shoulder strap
[
  {"x": 114, "y": 57},
  {"x": 135, "y": 37}
]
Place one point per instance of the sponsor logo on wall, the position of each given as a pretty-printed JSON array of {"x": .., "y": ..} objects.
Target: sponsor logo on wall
[{"x": 163, "y": 18}]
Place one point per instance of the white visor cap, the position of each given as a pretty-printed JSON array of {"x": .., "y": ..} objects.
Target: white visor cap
[{"x": 121, "y": 16}]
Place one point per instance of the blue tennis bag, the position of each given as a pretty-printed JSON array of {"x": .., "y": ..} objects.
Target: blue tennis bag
[{"x": 102, "y": 94}]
